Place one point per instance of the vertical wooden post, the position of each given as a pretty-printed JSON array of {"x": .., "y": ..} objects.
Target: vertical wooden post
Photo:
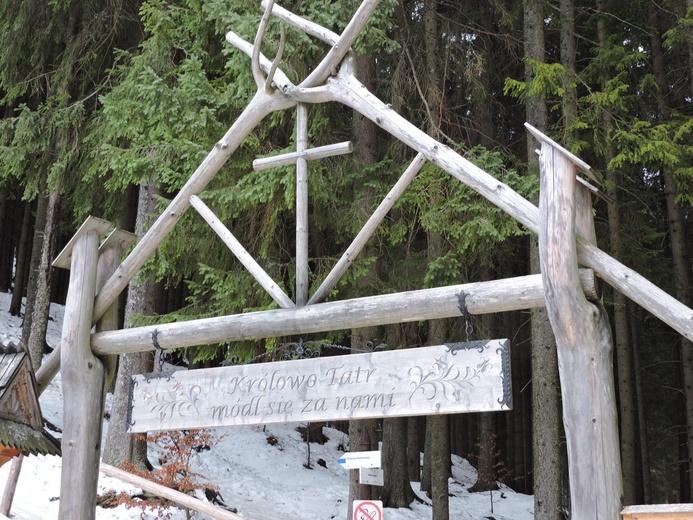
[
  {"x": 109, "y": 258},
  {"x": 83, "y": 378},
  {"x": 301, "y": 206},
  {"x": 583, "y": 339},
  {"x": 11, "y": 485},
  {"x": 110, "y": 254}
]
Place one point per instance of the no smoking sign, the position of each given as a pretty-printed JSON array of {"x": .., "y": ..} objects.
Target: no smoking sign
[{"x": 368, "y": 510}]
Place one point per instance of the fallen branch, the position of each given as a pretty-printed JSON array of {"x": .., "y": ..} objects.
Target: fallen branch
[{"x": 169, "y": 494}]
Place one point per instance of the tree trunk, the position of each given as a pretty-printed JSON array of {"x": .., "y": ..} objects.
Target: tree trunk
[
  {"x": 624, "y": 355},
  {"x": 121, "y": 446},
  {"x": 546, "y": 395},
  {"x": 36, "y": 315},
  {"x": 413, "y": 450},
  {"x": 363, "y": 433},
  {"x": 677, "y": 236},
  {"x": 437, "y": 426},
  {"x": 639, "y": 392},
  {"x": 569, "y": 62},
  {"x": 486, "y": 441},
  {"x": 22, "y": 267},
  {"x": 689, "y": 6},
  {"x": 6, "y": 240},
  {"x": 36, "y": 245},
  {"x": 397, "y": 491}
]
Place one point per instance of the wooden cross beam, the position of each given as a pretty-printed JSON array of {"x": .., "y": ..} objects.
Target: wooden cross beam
[
  {"x": 300, "y": 158},
  {"x": 242, "y": 254}
]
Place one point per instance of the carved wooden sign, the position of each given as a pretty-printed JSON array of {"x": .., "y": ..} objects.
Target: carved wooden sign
[{"x": 450, "y": 378}]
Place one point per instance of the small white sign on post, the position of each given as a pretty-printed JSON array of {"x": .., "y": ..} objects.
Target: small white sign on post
[
  {"x": 368, "y": 510},
  {"x": 371, "y": 476},
  {"x": 360, "y": 459}
]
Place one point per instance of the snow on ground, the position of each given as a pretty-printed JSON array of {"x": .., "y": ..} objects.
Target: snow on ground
[{"x": 259, "y": 470}]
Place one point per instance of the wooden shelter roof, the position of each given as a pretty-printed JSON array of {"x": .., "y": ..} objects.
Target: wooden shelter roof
[{"x": 21, "y": 423}]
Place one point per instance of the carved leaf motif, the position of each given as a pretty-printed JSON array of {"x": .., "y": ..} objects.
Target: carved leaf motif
[
  {"x": 177, "y": 401},
  {"x": 445, "y": 380}
]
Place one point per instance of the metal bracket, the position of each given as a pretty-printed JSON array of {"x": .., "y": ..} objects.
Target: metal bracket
[{"x": 468, "y": 325}]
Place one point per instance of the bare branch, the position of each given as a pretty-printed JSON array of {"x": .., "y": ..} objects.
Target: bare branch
[{"x": 255, "y": 62}]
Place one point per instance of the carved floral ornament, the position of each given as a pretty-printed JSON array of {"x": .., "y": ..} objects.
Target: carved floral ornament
[{"x": 452, "y": 378}]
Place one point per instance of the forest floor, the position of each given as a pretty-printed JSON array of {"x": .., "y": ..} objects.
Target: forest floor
[{"x": 261, "y": 472}]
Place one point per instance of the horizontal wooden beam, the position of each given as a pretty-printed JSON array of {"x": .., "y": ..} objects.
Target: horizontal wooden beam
[
  {"x": 508, "y": 294},
  {"x": 348, "y": 91},
  {"x": 311, "y": 154}
]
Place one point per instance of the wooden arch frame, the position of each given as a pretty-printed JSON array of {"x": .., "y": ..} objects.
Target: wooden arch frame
[{"x": 595, "y": 491}]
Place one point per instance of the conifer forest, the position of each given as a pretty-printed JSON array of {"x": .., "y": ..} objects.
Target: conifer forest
[{"x": 109, "y": 106}]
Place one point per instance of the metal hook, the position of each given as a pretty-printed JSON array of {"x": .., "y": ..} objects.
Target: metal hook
[
  {"x": 158, "y": 352},
  {"x": 468, "y": 325}
]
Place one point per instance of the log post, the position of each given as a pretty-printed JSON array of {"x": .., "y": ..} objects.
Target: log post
[
  {"x": 83, "y": 378},
  {"x": 583, "y": 340},
  {"x": 109, "y": 258},
  {"x": 11, "y": 485},
  {"x": 302, "y": 281},
  {"x": 110, "y": 254}
]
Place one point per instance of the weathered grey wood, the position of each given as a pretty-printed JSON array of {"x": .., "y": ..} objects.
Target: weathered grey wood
[
  {"x": 110, "y": 253},
  {"x": 339, "y": 50},
  {"x": 349, "y": 91},
  {"x": 11, "y": 485},
  {"x": 452, "y": 378},
  {"x": 579, "y": 163},
  {"x": 583, "y": 340},
  {"x": 584, "y": 218},
  {"x": 369, "y": 227},
  {"x": 64, "y": 258},
  {"x": 302, "y": 282},
  {"x": 82, "y": 378},
  {"x": 629, "y": 282},
  {"x": 169, "y": 494},
  {"x": 48, "y": 370},
  {"x": 263, "y": 103},
  {"x": 119, "y": 239},
  {"x": 658, "y": 512},
  {"x": 646, "y": 294},
  {"x": 307, "y": 154},
  {"x": 260, "y": 80},
  {"x": 51, "y": 365},
  {"x": 524, "y": 292},
  {"x": 242, "y": 254},
  {"x": 308, "y": 27}
]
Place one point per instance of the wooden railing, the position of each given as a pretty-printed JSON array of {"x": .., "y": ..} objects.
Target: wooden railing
[{"x": 659, "y": 512}]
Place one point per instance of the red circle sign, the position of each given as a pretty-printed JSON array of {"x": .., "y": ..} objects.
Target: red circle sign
[{"x": 368, "y": 510}]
